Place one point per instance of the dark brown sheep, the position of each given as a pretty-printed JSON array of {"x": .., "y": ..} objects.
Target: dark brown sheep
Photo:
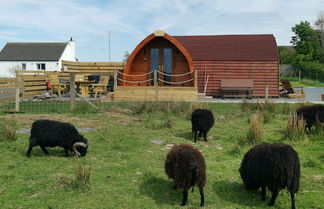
[
  {"x": 202, "y": 120},
  {"x": 186, "y": 166},
  {"x": 310, "y": 114},
  {"x": 273, "y": 166}
]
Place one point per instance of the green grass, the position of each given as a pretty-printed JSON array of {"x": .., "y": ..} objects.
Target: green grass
[
  {"x": 127, "y": 170},
  {"x": 303, "y": 82}
]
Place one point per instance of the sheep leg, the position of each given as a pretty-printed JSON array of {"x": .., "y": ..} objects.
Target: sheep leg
[
  {"x": 205, "y": 136},
  {"x": 273, "y": 198},
  {"x": 263, "y": 193},
  {"x": 202, "y": 196},
  {"x": 174, "y": 187},
  {"x": 185, "y": 197},
  {"x": 44, "y": 149},
  {"x": 30, "y": 148},
  {"x": 66, "y": 151},
  {"x": 195, "y": 136},
  {"x": 292, "y": 200}
]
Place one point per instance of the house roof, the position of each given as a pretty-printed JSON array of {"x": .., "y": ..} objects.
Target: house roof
[
  {"x": 44, "y": 51},
  {"x": 230, "y": 47}
]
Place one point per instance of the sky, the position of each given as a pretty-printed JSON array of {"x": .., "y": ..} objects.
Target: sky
[{"x": 88, "y": 22}]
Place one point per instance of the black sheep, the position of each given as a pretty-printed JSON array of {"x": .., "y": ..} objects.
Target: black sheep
[
  {"x": 186, "y": 166},
  {"x": 310, "y": 114},
  {"x": 273, "y": 166},
  {"x": 49, "y": 133},
  {"x": 202, "y": 120}
]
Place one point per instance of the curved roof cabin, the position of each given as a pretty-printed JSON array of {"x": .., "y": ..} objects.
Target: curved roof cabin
[{"x": 215, "y": 57}]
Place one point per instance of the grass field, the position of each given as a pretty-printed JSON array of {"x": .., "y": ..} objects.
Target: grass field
[
  {"x": 303, "y": 82},
  {"x": 127, "y": 169}
]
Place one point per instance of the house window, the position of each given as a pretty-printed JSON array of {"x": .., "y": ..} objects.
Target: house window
[
  {"x": 41, "y": 66},
  {"x": 23, "y": 66}
]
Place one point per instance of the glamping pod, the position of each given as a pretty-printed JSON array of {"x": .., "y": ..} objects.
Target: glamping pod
[{"x": 238, "y": 61}]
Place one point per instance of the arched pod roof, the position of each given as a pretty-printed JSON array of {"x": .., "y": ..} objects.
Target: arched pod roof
[{"x": 159, "y": 33}]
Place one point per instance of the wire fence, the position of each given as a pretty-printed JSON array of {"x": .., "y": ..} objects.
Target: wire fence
[{"x": 57, "y": 99}]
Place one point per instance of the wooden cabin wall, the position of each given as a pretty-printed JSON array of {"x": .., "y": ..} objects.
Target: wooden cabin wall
[
  {"x": 181, "y": 66},
  {"x": 261, "y": 72}
]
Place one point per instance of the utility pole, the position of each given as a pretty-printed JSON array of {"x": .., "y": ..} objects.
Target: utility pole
[{"x": 109, "y": 45}]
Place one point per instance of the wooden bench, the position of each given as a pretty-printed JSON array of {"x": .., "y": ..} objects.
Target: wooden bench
[{"x": 236, "y": 88}]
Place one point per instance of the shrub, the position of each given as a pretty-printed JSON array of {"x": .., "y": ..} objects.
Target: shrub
[
  {"x": 295, "y": 128},
  {"x": 318, "y": 127},
  {"x": 8, "y": 130},
  {"x": 82, "y": 176},
  {"x": 255, "y": 131}
]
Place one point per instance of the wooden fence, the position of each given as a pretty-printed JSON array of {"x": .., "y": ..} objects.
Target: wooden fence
[
  {"x": 89, "y": 67},
  {"x": 34, "y": 82}
]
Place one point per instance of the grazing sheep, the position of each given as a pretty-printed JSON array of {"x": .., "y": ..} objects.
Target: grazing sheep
[
  {"x": 49, "y": 133},
  {"x": 186, "y": 166},
  {"x": 273, "y": 166},
  {"x": 202, "y": 120},
  {"x": 310, "y": 114}
]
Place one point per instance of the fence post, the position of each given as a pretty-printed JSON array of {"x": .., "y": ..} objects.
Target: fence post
[
  {"x": 156, "y": 86},
  {"x": 72, "y": 91},
  {"x": 299, "y": 75},
  {"x": 17, "y": 99},
  {"x": 115, "y": 80}
]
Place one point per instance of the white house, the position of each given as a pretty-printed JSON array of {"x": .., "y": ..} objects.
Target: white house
[{"x": 35, "y": 56}]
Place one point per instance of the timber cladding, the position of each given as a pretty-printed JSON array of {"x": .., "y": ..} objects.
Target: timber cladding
[
  {"x": 149, "y": 93},
  {"x": 262, "y": 73}
]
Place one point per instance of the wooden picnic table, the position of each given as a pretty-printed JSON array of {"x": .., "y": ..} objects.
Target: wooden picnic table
[{"x": 84, "y": 86}]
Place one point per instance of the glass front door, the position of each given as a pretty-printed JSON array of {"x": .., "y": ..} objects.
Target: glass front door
[
  {"x": 167, "y": 65},
  {"x": 161, "y": 57}
]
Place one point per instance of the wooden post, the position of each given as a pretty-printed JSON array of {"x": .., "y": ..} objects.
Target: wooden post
[
  {"x": 267, "y": 92},
  {"x": 299, "y": 75},
  {"x": 72, "y": 91},
  {"x": 156, "y": 86},
  {"x": 115, "y": 80},
  {"x": 17, "y": 99}
]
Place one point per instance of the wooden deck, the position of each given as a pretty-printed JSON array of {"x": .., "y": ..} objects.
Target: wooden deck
[{"x": 151, "y": 93}]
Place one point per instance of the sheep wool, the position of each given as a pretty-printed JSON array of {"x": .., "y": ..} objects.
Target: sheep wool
[
  {"x": 310, "y": 114},
  {"x": 274, "y": 166},
  {"x": 49, "y": 133},
  {"x": 202, "y": 120},
  {"x": 186, "y": 166}
]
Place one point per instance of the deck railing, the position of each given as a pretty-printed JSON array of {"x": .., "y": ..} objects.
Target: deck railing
[{"x": 156, "y": 78}]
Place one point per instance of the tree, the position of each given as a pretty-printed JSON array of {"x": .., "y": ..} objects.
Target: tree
[
  {"x": 12, "y": 70},
  {"x": 306, "y": 42},
  {"x": 126, "y": 56},
  {"x": 286, "y": 54},
  {"x": 319, "y": 26}
]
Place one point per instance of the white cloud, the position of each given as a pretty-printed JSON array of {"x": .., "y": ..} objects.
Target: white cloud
[{"x": 132, "y": 20}]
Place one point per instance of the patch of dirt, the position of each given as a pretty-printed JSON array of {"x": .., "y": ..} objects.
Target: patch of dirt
[
  {"x": 318, "y": 178},
  {"x": 122, "y": 118},
  {"x": 93, "y": 121},
  {"x": 26, "y": 120}
]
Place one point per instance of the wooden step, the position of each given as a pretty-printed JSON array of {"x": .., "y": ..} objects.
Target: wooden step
[{"x": 203, "y": 97}]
